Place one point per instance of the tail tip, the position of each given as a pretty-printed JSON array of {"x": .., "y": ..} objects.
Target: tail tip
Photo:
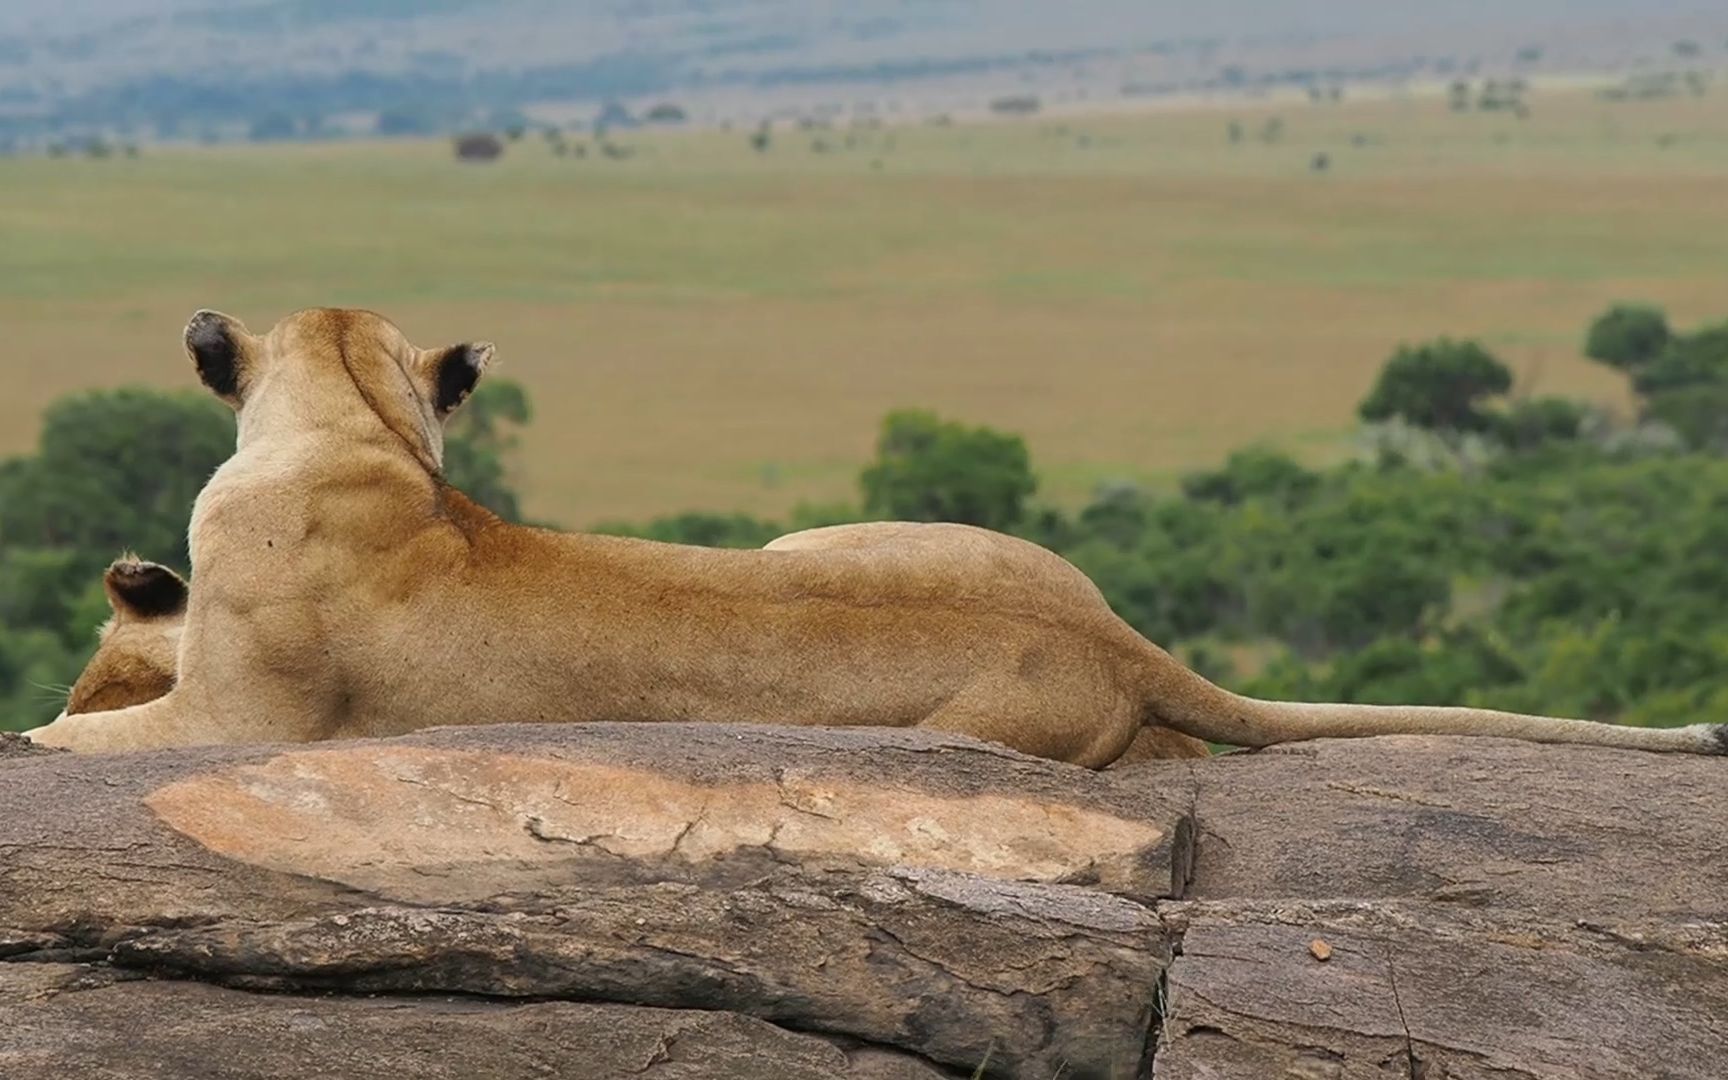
[{"x": 1716, "y": 739}]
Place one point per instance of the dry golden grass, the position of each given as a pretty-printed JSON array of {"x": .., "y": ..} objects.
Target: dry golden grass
[{"x": 701, "y": 326}]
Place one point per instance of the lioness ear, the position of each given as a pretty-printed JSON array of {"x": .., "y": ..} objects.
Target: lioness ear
[
  {"x": 143, "y": 590},
  {"x": 455, "y": 372},
  {"x": 219, "y": 347}
]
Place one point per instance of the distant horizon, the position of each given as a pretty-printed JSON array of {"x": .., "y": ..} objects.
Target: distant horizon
[{"x": 144, "y": 68}]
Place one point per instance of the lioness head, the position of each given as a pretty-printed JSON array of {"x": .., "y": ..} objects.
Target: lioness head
[
  {"x": 327, "y": 367},
  {"x": 135, "y": 658}
]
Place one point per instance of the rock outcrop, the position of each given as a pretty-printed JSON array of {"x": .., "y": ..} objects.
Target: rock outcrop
[{"x": 706, "y": 901}]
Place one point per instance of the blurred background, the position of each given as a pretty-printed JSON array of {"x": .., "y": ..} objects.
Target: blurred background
[{"x": 1359, "y": 349}]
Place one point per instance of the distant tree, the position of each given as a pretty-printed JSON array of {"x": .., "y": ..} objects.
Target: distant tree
[
  {"x": 929, "y": 469},
  {"x": 478, "y": 146},
  {"x": 666, "y": 112},
  {"x": 1628, "y": 336},
  {"x": 760, "y": 139},
  {"x": 1688, "y": 49},
  {"x": 1272, "y": 130},
  {"x": 1233, "y": 131},
  {"x": 1320, "y": 162},
  {"x": 1439, "y": 385},
  {"x": 1016, "y": 105},
  {"x": 1530, "y": 54},
  {"x": 480, "y": 443},
  {"x": 1458, "y": 95}
]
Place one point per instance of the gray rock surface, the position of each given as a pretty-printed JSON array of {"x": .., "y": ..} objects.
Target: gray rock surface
[{"x": 689, "y": 900}]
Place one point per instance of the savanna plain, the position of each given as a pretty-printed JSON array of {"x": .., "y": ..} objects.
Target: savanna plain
[{"x": 702, "y": 324}]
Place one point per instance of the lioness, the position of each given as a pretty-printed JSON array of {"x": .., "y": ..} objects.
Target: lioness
[
  {"x": 134, "y": 660},
  {"x": 342, "y": 588}
]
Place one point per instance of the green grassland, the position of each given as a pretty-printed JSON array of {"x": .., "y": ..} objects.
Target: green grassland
[{"x": 704, "y": 326}]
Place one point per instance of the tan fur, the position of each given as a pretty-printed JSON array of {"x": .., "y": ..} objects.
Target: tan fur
[{"x": 342, "y": 589}]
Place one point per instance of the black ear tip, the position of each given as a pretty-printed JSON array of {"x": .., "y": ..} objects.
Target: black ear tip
[
  {"x": 210, "y": 340},
  {"x": 458, "y": 371},
  {"x": 205, "y": 326},
  {"x": 145, "y": 589}
]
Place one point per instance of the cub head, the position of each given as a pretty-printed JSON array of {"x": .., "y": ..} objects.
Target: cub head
[
  {"x": 135, "y": 659},
  {"x": 335, "y": 369}
]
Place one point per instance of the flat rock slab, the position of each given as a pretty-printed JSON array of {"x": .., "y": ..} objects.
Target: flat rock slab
[
  {"x": 905, "y": 889},
  {"x": 628, "y": 802},
  {"x": 59, "y": 1021},
  {"x": 1427, "y": 990}
]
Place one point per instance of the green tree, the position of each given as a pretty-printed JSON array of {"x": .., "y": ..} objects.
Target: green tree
[
  {"x": 115, "y": 469},
  {"x": 1628, "y": 336},
  {"x": 1440, "y": 386},
  {"x": 929, "y": 469}
]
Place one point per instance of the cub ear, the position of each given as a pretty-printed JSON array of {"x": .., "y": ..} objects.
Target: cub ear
[
  {"x": 143, "y": 590},
  {"x": 455, "y": 372},
  {"x": 219, "y": 347}
]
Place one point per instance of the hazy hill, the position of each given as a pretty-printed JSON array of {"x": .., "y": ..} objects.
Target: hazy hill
[{"x": 177, "y": 67}]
